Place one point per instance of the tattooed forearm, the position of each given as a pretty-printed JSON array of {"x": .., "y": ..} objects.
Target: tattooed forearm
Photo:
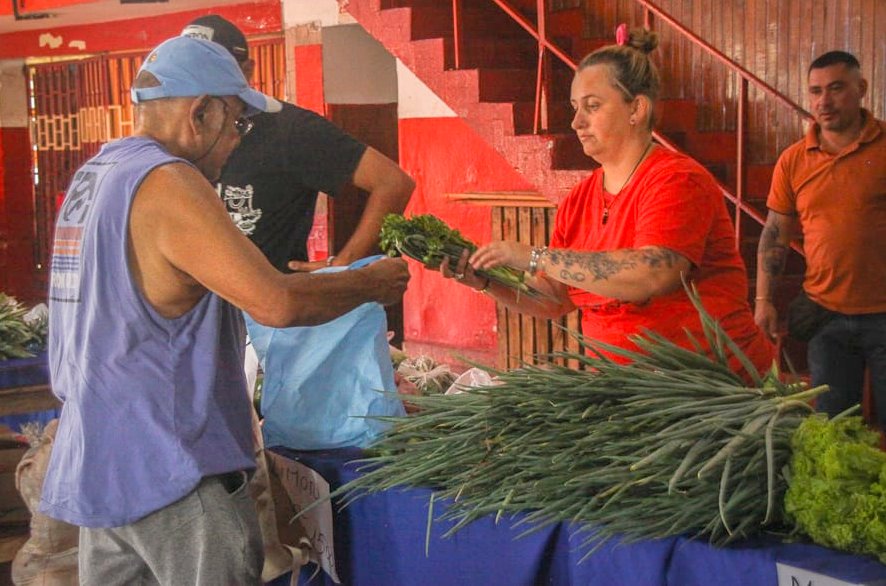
[
  {"x": 771, "y": 252},
  {"x": 571, "y": 276},
  {"x": 597, "y": 265},
  {"x": 659, "y": 258},
  {"x": 577, "y": 266}
]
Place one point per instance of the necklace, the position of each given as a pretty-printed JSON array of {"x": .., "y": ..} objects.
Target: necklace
[{"x": 631, "y": 174}]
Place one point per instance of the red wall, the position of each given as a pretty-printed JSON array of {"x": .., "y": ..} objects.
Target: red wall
[
  {"x": 445, "y": 156},
  {"x": 137, "y": 34},
  {"x": 16, "y": 215}
]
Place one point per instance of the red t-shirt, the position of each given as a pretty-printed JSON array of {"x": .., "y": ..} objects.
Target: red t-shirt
[{"x": 672, "y": 202}]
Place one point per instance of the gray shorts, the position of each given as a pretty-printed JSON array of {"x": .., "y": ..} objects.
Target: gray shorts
[{"x": 209, "y": 537}]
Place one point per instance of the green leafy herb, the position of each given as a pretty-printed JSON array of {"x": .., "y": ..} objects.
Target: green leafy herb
[
  {"x": 18, "y": 338},
  {"x": 429, "y": 240}
]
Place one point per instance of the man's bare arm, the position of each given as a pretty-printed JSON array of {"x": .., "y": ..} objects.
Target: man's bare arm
[
  {"x": 389, "y": 190},
  {"x": 183, "y": 241},
  {"x": 772, "y": 252}
]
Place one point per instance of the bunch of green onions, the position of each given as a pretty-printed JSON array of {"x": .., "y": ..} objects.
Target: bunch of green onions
[
  {"x": 671, "y": 443},
  {"x": 429, "y": 240}
]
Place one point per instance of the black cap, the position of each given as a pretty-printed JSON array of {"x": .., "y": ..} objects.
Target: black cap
[{"x": 218, "y": 30}]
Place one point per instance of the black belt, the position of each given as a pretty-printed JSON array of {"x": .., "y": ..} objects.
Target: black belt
[{"x": 234, "y": 480}]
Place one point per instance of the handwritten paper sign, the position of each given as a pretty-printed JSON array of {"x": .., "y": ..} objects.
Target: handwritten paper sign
[
  {"x": 793, "y": 576},
  {"x": 304, "y": 486}
]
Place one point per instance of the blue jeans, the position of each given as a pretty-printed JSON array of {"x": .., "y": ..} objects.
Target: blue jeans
[{"x": 838, "y": 355}]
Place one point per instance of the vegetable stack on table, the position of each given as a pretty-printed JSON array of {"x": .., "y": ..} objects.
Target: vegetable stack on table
[{"x": 670, "y": 443}]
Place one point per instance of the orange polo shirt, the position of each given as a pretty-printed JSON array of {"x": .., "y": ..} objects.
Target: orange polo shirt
[{"x": 840, "y": 201}]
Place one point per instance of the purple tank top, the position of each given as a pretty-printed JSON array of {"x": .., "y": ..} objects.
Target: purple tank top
[{"x": 150, "y": 404}]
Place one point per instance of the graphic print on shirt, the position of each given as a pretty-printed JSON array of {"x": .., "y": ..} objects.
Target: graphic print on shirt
[
  {"x": 238, "y": 201},
  {"x": 67, "y": 246}
]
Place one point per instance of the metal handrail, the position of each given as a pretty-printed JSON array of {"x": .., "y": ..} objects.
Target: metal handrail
[
  {"x": 649, "y": 6},
  {"x": 545, "y": 45}
]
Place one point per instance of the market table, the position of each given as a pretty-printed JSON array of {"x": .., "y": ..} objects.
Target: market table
[
  {"x": 380, "y": 540},
  {"x": 25, "y": 394}
]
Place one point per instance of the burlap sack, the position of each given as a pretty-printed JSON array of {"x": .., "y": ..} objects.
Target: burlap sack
[
  {"x": 279, "y": 557},
  {"x": 49, "y": 557}
]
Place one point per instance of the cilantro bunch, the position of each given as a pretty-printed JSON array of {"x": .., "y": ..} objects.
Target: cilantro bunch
[{"x": 429, "y": 240}]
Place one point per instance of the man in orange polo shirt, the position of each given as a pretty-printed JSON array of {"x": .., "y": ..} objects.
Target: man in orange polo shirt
[{"x": 832, "y": 185}]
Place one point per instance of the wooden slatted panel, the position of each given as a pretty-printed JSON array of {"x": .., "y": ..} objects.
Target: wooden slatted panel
[
  {"x": 510, "y": 230},
  {"x": 527, "y": 323},
  {"x": 521, "y": 338},
  {"x": 59, "y": 91},
  {"x": 501, "y": 313},
  {"x": 539, "y": 237},
  {"x": 270, "y": 66}
]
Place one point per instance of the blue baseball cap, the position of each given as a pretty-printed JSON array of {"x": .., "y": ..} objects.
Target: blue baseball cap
[{"x": 191, "y": 67}]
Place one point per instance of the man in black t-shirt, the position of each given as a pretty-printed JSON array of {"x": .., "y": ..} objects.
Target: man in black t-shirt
[
  {"x": 271, "y": 181},
  {"x": 269, "y": 186}
]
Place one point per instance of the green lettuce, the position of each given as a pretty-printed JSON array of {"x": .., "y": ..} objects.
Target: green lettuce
[{"x": 837, "y": 488}]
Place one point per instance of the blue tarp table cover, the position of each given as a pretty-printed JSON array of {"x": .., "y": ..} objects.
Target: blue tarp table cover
[
  {"x": 380, "y": 540},
  {"x": 21, "y": 372}
]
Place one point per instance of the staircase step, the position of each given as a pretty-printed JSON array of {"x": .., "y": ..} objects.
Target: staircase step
[
  {"x": 582, "y": 47},
  {"x": 484, "y": 21},
  {"x": 490, "y": 53},
  {"x": 559, "y": 117},
  {"x": 568, "y": 22},
  {"x": 568, "y": 153},
  {"x": 712, "y": 147},
  {"x": 386, "y": 4},
  {"x": 720, "y": 171},
  {"x": 758, "y": 181},
  {"x": 676, "y": 115},
  {"x": 506, "y": 85},
  {"x": 676, "y": 138}
]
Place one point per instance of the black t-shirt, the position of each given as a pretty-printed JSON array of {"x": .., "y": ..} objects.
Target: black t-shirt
[{"x": 270, "y": 183}]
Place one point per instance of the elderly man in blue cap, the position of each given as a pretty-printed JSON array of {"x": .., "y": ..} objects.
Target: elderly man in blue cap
[{"x": 154, "y": 448}]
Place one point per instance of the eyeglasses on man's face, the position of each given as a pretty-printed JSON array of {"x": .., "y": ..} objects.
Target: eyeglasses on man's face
[{"x": 242, "y": 124}]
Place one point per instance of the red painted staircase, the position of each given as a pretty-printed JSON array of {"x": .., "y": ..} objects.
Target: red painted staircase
[{"x": 494, "y": 91}]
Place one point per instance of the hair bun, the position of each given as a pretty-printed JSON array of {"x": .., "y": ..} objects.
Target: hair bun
[{"x": 643, "y": 40}]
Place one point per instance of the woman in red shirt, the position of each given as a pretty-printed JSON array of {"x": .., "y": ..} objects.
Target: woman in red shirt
[{"x": 627, "y": 235}]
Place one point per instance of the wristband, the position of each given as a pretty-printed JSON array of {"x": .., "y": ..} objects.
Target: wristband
[{"x": 329, "y": 260}]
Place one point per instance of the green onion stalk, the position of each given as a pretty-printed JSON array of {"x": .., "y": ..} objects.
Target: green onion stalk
[
  {"x": 671, "y": 442},
  {"x": 429, "y": 240}
]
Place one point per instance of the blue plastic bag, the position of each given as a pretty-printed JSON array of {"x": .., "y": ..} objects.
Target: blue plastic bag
[{"x": 321, "y": 382}]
